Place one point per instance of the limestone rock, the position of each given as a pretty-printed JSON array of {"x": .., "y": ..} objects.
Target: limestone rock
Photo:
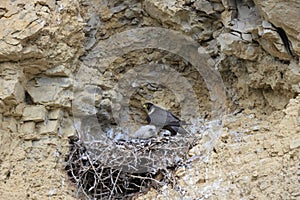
[
  {"x": 293, "y": 76},
  {"x": 34, "y": 113},
  {"x": 204, "y": 6},
  {"x": 28, "y": 127},
  {"x": 11, "y": 87},
  {"x": 60, "y": 70},
  {"x": 10, "y": 124},
  {"x": 233, "y": 45},
  {"x": 44, "y": 94},
  {"x": 37, "y": 39},
  {"x": 168, "y": 12},
  {"x": 55, "y": 114},
  {"x": 276, "y": 100},
  {"x": 20, "y": 25},
  {"x": 51, "y": 91},
  {"x": 11, "y": 91},
  {"x": 257, "y": 155},
  {"x": 218, "y": 6},
  {"x": 284, "y": 15},
  {"x": 272, "y": 43},
  {"x": 67, "y": 128},
  {"x": 295, "y": 143},
  {"x": 48, "y": 127},
  {"x": 18, "y": 110},
  {"x": 248, "y": 20},
  {"x": 31, "y": 21},
  {"x": 85, "y": 100},
  {"x": 105, "y": 13}
]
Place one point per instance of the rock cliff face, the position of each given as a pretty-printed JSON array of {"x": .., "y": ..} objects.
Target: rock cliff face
[{"x": 50, "y": 72}]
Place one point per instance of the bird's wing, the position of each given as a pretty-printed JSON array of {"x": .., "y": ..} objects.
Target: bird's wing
[
  {"x": 178, "y": 121},
  {"x": 172, "y": 120},
  {"x": 161, "y": 117}
]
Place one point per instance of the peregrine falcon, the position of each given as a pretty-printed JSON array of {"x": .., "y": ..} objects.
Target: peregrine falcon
[{"x": 164, "y": 119}]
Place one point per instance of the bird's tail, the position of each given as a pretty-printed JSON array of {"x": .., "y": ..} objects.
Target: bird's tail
[
  {"x": 184, "y": 123},
  {"x": 178, "y": 123},
  {"x": 182, "y": 131}
]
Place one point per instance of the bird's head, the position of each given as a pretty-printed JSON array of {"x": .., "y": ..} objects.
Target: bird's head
[{"x": 147, "y": 106}]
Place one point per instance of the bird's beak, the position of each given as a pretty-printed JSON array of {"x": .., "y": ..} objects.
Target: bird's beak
[{"x": 145, "y": 106}]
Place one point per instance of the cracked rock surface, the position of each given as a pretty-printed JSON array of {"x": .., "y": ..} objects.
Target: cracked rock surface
[{"x": 48, "y": 76}]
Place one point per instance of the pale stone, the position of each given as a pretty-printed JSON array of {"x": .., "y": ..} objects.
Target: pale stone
[
  {"x": 272, "y": 43},
  {"x": 247, "y": 37},
  {"x": 266, "y": 24},
  {"x": 34, "y": 113},
  {"x": 54, "y": 81},
  {"x": 28, "y": 127},
  {"x": 232, "y": 44},
  {"x": 129, "y": 14},
  {"x": 44, "y": 94},
  {"x": 67, "y": 128},
  {"x": 1, "y": 120},
  {"x": 204, "y": 6},
  {"x": 55, "y": 114},
  {"x": 18, "y": 110},
  {"x": 51, "y": 90},
  {"x": 51, "y": 95},
  {"x": 168, "y": 12},
  {"x": 283, "y": 14},
  {"x": 295, "y": 143},
  {"x": 10, "y": 123},
  {"x": 105, "y": 13},
  {"x": 11, "y": 91},
  {"x": 22, "y": 25},
  {"x": 85, "y": 100},
  {"x": 50, "y": 127},
  {"x": 218, "y": 7},
  {"x": 58, "y": 71},
  {"x": 275, "y": 99}
]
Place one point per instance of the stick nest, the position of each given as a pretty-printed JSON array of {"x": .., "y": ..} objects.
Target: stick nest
[{"x": 108, "y": 169}]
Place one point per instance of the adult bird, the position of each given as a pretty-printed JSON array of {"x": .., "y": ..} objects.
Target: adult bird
[{"x": 164, "y": 119}]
